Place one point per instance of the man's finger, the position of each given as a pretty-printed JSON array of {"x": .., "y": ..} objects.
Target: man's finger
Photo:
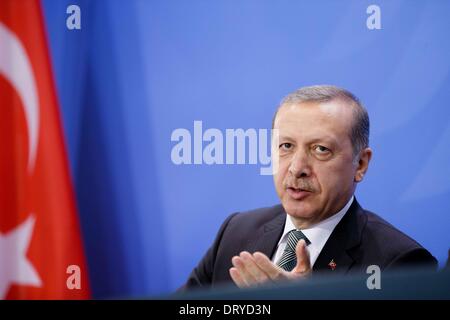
[
  {"x": 264, "y": 263},
  {"x": 252, "y": 267},
  {"x": 302, "y": 253},
  {"x": 238, "y": 263},
  {"x": 238, "y": 280}
]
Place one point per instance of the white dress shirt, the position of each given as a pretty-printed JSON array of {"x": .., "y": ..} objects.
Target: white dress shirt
[{"x": 318, "y": 234}]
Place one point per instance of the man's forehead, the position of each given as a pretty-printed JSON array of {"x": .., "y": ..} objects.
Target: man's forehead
[
  {"x": 333, "y": 111},
  {"x": 327, "y": 120}
]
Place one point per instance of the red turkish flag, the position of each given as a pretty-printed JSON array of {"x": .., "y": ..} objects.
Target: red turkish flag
[{"x": 41, "y": 253}]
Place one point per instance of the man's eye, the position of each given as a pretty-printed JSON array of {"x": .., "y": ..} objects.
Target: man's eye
[
  {"x": 321, "y": 150},
  {"x": 286, "y": 146}
]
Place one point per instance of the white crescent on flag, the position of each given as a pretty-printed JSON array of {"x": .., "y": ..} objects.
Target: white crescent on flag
[{"x": 16, "y": 68}]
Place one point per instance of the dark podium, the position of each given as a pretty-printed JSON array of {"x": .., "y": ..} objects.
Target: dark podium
[{"x": 401, "y": 285}]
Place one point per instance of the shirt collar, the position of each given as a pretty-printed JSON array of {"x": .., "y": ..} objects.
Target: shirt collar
[{"x": 319, "y": 233}]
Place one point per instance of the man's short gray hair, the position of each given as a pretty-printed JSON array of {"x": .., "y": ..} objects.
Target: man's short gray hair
[{"x": 359, "y": 134}]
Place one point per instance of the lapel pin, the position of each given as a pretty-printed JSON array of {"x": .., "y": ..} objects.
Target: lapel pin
[{"x": 332, "y": 265}]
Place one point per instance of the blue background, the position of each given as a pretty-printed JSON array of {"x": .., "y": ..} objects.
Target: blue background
[{"x": 137, "y": 70}]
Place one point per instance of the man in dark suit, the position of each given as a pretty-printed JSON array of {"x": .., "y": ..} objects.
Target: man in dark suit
[{"x": 320, "y": 151}]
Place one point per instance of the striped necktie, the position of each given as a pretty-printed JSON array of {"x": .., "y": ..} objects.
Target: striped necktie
[{"x": 288, "y": 260}]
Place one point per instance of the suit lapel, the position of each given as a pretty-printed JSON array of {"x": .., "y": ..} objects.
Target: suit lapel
[
  {"x": 269, "y": 234},
  {"x": 337, "y": 250},
  {"x": 336, "y": 255}
]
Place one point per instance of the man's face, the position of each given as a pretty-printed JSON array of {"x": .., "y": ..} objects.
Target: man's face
[{"x": 316, "y": 175}]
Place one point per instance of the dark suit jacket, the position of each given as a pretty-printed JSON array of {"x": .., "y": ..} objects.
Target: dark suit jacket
[{"x": 360, "y": 239}]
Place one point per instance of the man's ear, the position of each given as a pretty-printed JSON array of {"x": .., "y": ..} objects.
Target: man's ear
[{"x": 363, "y": 164}]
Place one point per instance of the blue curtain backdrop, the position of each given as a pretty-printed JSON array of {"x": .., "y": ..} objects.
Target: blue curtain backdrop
[{"x": 137, "y": 70}]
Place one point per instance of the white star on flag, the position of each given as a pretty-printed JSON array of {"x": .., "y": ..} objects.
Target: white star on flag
[{"x": 15, "y": 268}]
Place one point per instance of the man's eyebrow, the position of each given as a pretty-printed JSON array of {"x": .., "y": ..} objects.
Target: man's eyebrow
[
  {"x": 285, "y": 138},
  {"x": 328, "y": 139}
]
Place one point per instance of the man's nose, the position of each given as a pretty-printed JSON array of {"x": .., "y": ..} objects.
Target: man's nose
[{"x": 300, "y": 165}]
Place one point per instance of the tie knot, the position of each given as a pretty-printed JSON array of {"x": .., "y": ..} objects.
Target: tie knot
[{"x": 294, "y": 236}]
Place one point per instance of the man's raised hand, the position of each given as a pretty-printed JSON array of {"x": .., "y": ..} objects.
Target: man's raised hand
[{"x": 257, "y": 269}]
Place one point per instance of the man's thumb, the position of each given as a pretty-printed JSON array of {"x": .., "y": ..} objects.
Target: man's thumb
[{"x": 302, "y": 253}]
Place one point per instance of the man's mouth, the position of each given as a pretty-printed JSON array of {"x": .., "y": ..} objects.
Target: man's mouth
[{"x": 298, "y": 193}]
